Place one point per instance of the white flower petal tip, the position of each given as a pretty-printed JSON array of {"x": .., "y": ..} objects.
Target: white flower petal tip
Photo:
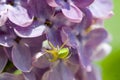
[
  {"x": 19, "y": 16},
  {"x": 38, "y": 55},
  {"x": 34, "y": 32}
]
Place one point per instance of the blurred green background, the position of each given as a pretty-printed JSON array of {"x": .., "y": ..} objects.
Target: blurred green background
[{"x": 111, "y": 64}]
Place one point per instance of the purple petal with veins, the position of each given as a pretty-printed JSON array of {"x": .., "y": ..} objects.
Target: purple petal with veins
[
  {"x": 95, "y": 37},
  {"x": 74, "y": 14},
  {"x": 60, "y": 72},
  {"x": 101, "y": 8},
  {"x": 30, "y": 32},
  {"x": 39, "y": 9},
  {"x": 87, "y": 19},
  {"x": 54, "y": 37},
  {"x": 21, "y": 57},
  {"x": 35, "y": 44},
  {"x": 67, "y": 35},
  {"x": 3, "y": 59},
  {"x": 19, "y": 16}
]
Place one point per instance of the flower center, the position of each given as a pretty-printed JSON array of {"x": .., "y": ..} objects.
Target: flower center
[{"x": 48, "y": 23}]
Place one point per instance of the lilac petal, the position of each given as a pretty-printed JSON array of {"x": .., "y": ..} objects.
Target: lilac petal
[
  {"x": 39, "y": 72},
  {"x": 80, "y": 74},
  {"x": 63, "y": 4},
  {"x": 29, "y": 75},
  {"x": 52, "y": 3},
  {"x": 3, "y": 14},
  {"x": 6, "y": 40},
  {"x": 30, "y": 32},
  {"x": 101, "y": 8},
  {"x": 35, "y": 74},
  {"x": 84, "y": 59},
  {"x": 82, "y": 3},
  {"x": 21, "y": 57},
  {"x": 60, "y": 72},
  {"x": 74, "y": 14},
  {"x": 8, "y": 76},
  {"x": 8, "y": 52},
  {"x": 6, "y": 36},
  {"x": 54, "y": 37},
  {"x": 3, "y": 59},
  {"x": 40, "y": 9},
  {"x": 73, "y": 66},
  {"x": 95, "y": 37},
  {"x": 59, "y": 20},
  {"x": 85, "y": 23},
  {"x": 19, "y": 16},
  {"x": 101, "y": 51},
  {"x": 94, "y": 74},
  {"x": 74, "y": 58},
  {"x": 41, "y": 61},
  {"x": 67, "y": 34},
  {"x": 87, "y": 19},
  {"x": 33, "y": 44}
]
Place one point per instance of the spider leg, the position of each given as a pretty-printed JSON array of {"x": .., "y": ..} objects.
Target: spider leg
[
  {"x": 54, "y": 55},
  {"x": 51, "y": 45},
  {"x": 64, "y": 44}
]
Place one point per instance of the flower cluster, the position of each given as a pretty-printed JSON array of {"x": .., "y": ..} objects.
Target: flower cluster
[{"x": 53, "y": 39}]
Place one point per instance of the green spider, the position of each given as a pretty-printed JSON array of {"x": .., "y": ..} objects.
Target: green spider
[{"x": 58, "y": 53}]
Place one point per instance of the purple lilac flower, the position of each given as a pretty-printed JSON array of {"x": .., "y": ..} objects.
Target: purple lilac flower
[
  {"x": 53, "y": 39},
  {"x": 69, "y": 8},
  {"x": 102, "y": 9},
  {"x": 14, "y": 12}
]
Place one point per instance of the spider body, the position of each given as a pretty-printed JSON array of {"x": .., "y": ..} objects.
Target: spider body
[{"x": 58, "y": 53}]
